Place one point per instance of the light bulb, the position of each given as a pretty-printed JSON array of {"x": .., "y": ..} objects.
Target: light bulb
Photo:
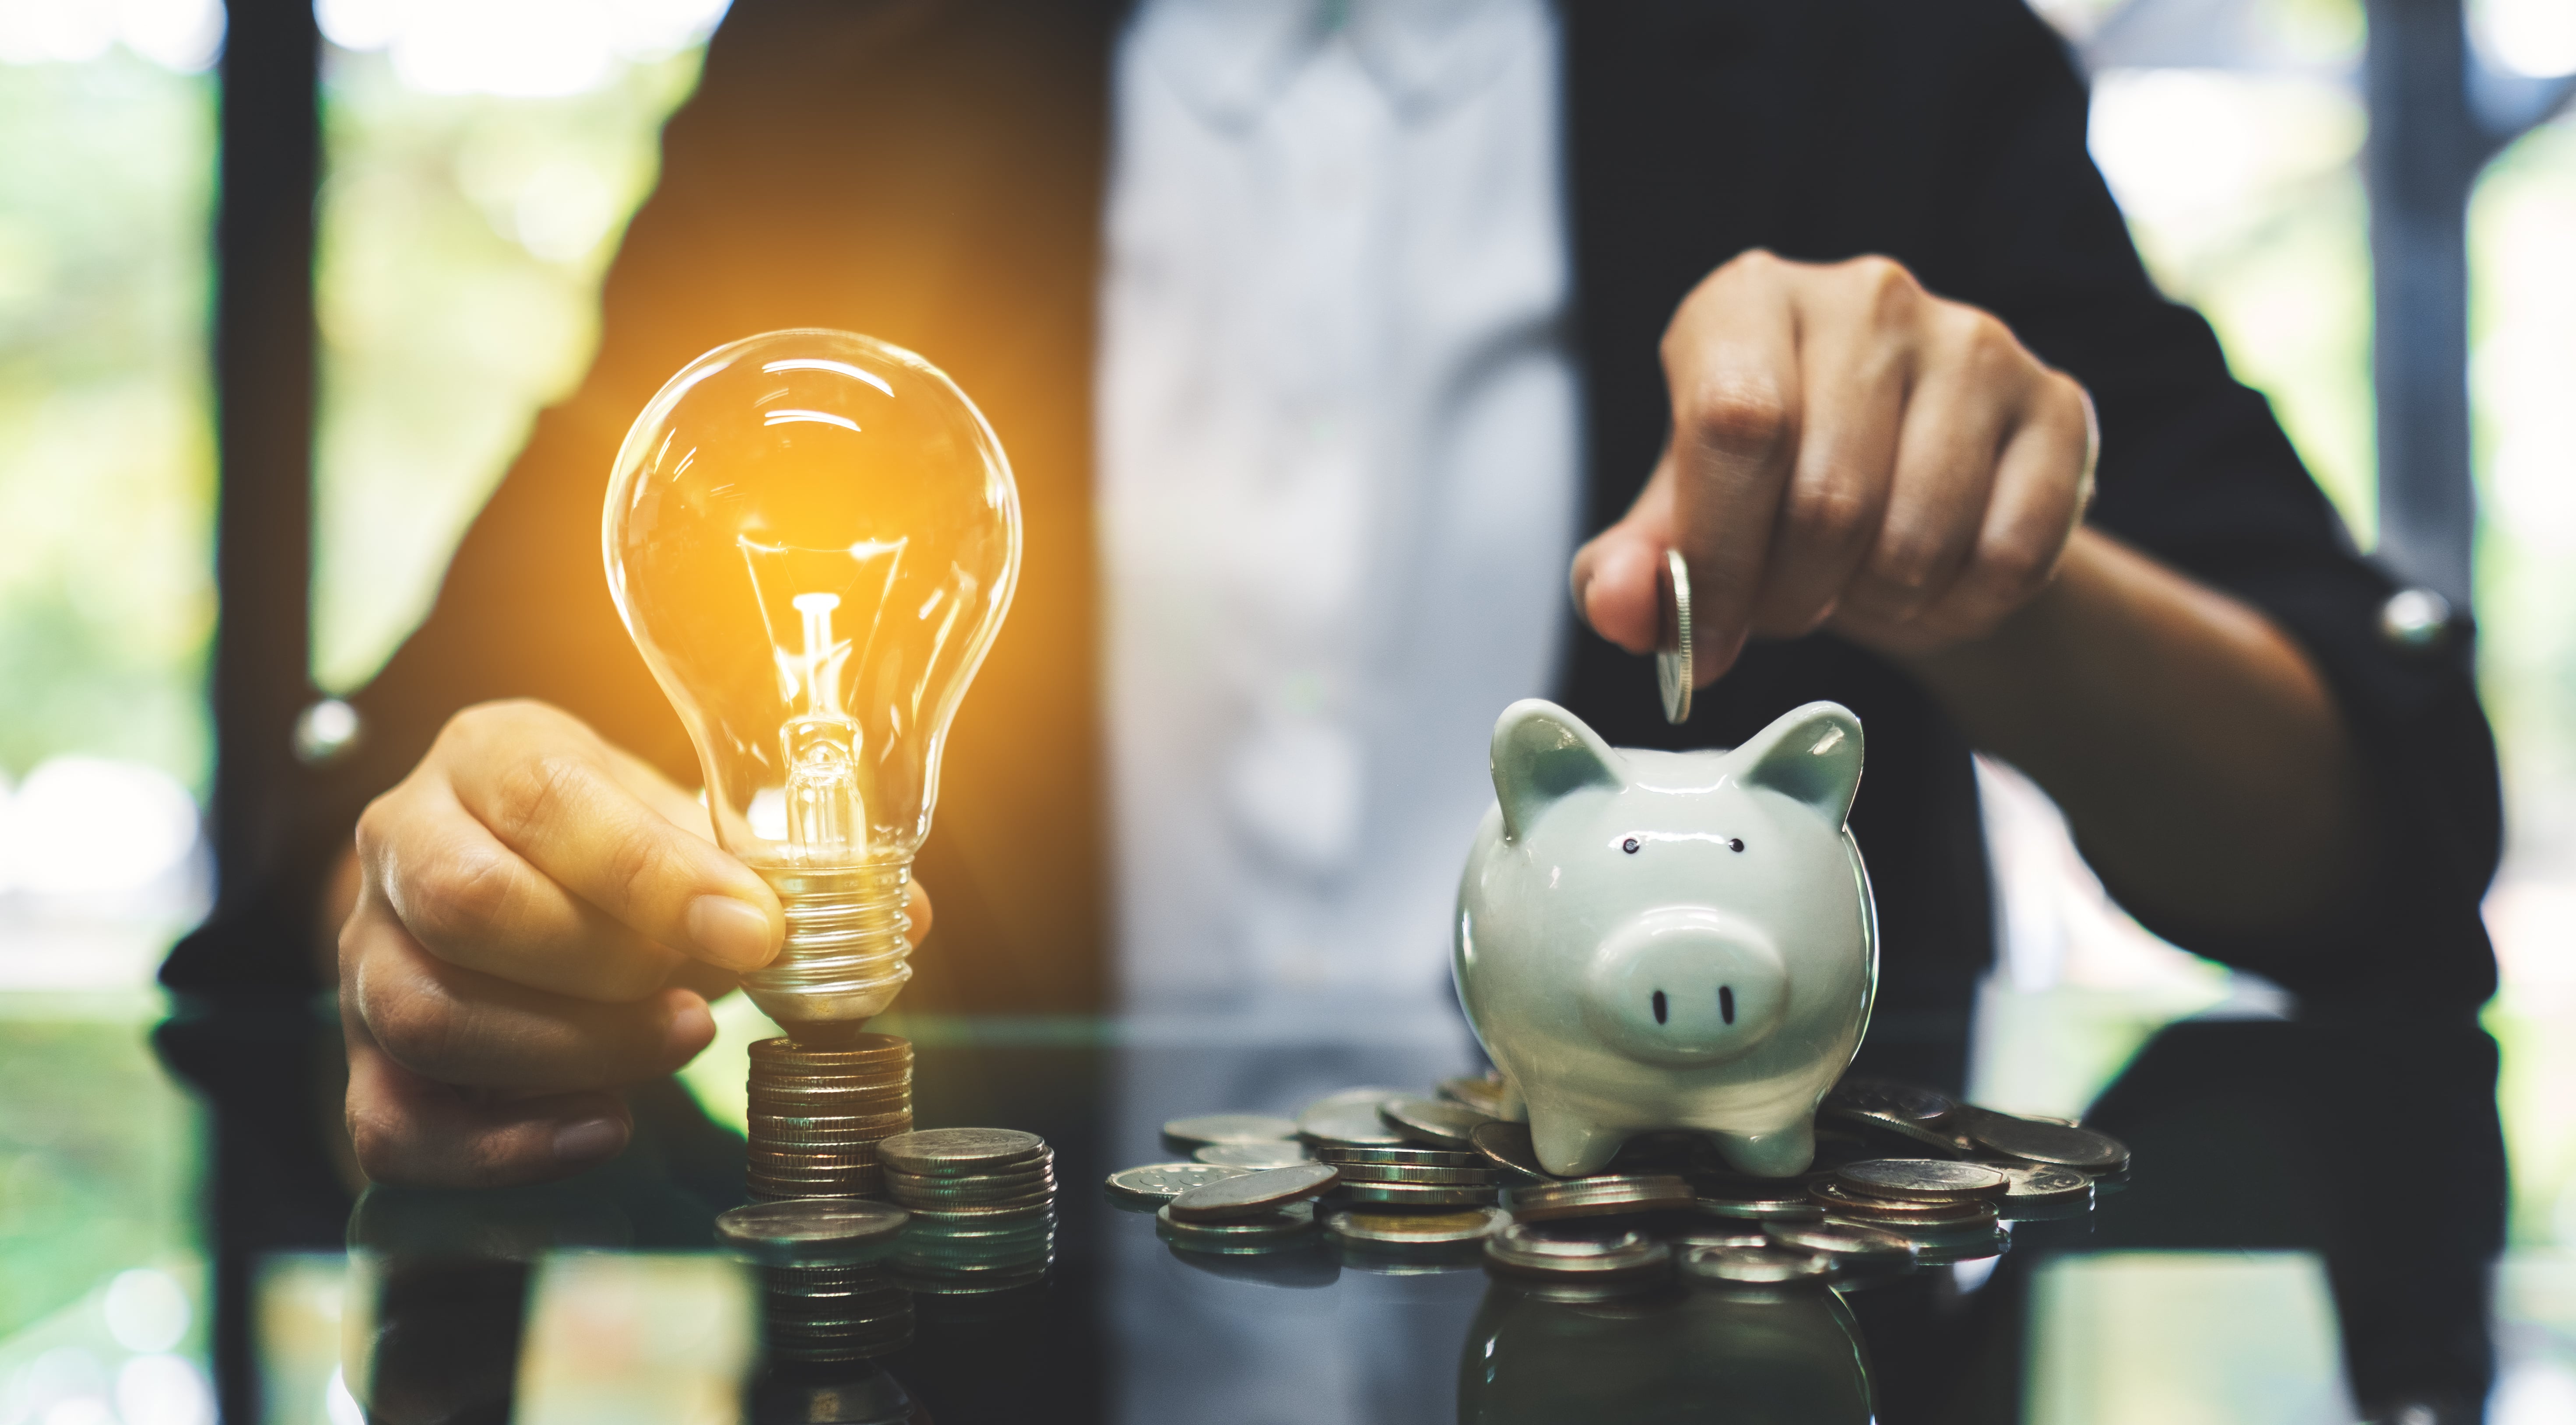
[{"x": 813, "y": 537}]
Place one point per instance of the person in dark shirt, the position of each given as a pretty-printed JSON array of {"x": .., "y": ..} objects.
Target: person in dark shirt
[{"x": 1854, "y": 305}]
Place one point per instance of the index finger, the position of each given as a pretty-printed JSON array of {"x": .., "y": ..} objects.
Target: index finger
[
  {"x": 1731, "y": 363},
  {"x": 548, "y": 788}
]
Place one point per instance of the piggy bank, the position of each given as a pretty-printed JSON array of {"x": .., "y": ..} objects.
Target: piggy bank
[{"x": 1660, "y": 940}]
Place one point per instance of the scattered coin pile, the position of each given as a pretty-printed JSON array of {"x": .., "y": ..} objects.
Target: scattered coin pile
[
  {"x": 983, "y": 1210},
  {"x": 817, "y": 1115},
  {"x": 825, "y": 1295},
  {"x": 1391, "y": 1173}
]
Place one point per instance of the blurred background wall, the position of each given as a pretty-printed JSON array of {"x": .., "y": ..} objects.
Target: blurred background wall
[{"x": 479, "y": 160}]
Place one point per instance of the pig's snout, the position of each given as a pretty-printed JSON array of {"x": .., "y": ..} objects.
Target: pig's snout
[{"x": 1686, "y": 985}]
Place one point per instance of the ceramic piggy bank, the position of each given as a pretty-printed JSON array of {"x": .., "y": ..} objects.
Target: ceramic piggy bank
[{"x": 1657, "y": 940}]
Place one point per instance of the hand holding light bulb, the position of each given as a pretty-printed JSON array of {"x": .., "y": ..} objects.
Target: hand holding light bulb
[
  {"x": 540, "y": 920},
  {"x": 541, "y": 917}
]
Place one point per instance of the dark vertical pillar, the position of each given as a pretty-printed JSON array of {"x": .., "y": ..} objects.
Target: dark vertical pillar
[
  {"x": 271, "y": 156},
  {"x": 270, "y": 133},
  {"x": 2426, "y": 149}
]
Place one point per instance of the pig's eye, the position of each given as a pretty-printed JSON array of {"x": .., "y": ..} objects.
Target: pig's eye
[
  {"x": 1629, "y": 846},
  {"x": 1735, "y": 843}
]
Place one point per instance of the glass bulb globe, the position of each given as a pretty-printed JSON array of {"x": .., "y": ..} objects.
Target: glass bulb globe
[{"x": 813, "y": 537}]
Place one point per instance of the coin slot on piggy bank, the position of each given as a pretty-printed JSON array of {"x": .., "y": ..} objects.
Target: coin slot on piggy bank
[{"x": 1632, "y": 966}]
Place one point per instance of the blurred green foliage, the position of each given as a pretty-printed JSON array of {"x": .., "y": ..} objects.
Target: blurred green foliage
[
  {"x": 106, "y": 463},
  {"x": 98, "y": 1150}
]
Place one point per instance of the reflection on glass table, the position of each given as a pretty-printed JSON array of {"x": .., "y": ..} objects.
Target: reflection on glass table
[{"x": 2306, "y": 1234}]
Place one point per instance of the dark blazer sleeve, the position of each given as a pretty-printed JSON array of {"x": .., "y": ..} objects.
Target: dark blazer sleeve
[
  {"x": 926, "y": 171},
  {"x": 2196, "y": 472}
]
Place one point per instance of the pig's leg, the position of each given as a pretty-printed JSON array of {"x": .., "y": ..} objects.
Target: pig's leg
[
  {"x": 1771, "y": 1155},
  {"x": 1570, "y": 1146},
  {"x": 1515, "y": 1108}
]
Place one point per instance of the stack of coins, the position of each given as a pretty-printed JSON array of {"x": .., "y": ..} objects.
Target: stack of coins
[
  {"x": 1946, "y": 1209},
  {"x": 1609, "y": 1195},
  {"x": 1430, "y": 1178},
  {"x": 825, "y": 1297},
  {"x": 983, "y": 1208},
  {"x": 836, "y": 1313},
  {"x": 1414, "y": 1234},
  {"x": 1261, "y": 1211},
  {"x": 817, "y": 1115},
  {"x": 1580, "y": 1266}
]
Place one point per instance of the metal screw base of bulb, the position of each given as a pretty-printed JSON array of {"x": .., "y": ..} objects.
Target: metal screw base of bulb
[{"x": 845, "y": 957}]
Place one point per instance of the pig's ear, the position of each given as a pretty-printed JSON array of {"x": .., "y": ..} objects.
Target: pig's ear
[
  {"x": 1542, "y": 752},
  {"x": 1812, "y": 754}
]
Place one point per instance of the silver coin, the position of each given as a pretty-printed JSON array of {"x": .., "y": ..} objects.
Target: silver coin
[
  {"x": 1601, "y": 1197},
  {"x": 1716, "y": 1234},
  {"x": 1253, "y": 1193},
  {"x": 1042, "y": 1172},
  {"x": 1932, "y": 1138},
  {"x": 1960, "y": 1247},
  {"x": 1507, "y": 1146},
  {"x": 2032, "y": 1141},
  {"x": 1285, "y": 1220},
  {"x": 1515, "y": 1251},
  {"x": 867, "y": 1051},
  {"x": 1673, "y": 650},
  {"x": 985, "y": 1214},
  {"x": 2042, "y": 1183},
  {"x": 1229, "y": 1128},
  {"x": 1347, "y": 1122},
  {"x": 967, "y": 1192},
  {"x": 1921, "y": 1180},
  {"x": 1415, "y": 1229},
  {"x": 1893, "y": 1099},
  {"x": 1355, "y": 1155},
  {"x": 1483, "y": 1095},
  {"x": 1420, "y": 1194},
  {"x": 1755, "y": 1266},
  {"x": 810, "y": 1231},
  {"x": 1769, "y": 1210},
  {"x": 959, "y": 1150},
  {"x": 1252, "y": 1155},
  {"x": 995, "y": 1201},
  {"x": 1157, "y": 1183},
  {"x": 1852, "y": 1246},
  {"x": 1883, "y": 1211},
  {"x": 1477, "y": 1176},
  {"x": 1432, "y": 1120},
  {"x": 1368, "y": 1095}
]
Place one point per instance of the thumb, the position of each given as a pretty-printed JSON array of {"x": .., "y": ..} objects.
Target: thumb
[
  {"x": 1618, "y": 581},
  {"x": 1616, "y": 575}
]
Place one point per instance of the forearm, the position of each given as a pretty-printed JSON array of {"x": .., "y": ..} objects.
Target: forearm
[{"x": 2198, "y": 755}]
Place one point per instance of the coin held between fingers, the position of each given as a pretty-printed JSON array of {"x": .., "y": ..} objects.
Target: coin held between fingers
[{"x": 1673, "y": 658}]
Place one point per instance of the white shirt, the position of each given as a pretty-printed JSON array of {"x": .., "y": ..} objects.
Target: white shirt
[{"x": 1338, "y": 482}]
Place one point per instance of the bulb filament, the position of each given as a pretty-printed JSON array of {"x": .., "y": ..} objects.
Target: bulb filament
[{"x": 822, "y": 748}]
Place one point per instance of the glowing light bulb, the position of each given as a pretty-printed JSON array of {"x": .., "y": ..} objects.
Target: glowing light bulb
[{"x": 813, "y": 537}]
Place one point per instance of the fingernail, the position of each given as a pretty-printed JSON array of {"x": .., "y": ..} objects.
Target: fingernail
[
  {"x": 589, "y": 1140},
  {"x": 731, "y": 932}
]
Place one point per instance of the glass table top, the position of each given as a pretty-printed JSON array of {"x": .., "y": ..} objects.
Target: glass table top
[{"x": 2306, "y": 1233}]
